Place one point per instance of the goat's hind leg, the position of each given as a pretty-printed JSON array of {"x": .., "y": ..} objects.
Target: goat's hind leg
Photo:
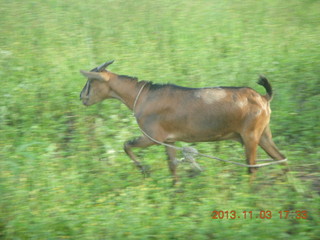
[
  {"x": 251, "y": 143},
  {"x": 267, "y": 144},
  {"x": 140, "y": 142}
]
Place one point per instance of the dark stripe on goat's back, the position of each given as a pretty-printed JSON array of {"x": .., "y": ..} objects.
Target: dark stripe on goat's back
[
  {"x": 128, "y": 77},
  {"x": 156, "y": 86},
  {"x": 231, "y": 88}
]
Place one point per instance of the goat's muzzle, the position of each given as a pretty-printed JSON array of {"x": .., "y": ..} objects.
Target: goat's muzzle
[{"x": 85, "y": 101}]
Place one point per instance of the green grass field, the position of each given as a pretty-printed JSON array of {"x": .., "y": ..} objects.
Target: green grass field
[{"x": 63, "y": 173}]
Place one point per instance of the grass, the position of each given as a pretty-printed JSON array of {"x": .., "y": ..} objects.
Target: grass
[{"x": 63, "y": 173}]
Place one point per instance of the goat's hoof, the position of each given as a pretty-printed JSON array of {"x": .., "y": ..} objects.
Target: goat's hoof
[
  {"x": 145, "y": 170},
  {"x": 176, "y": 182},
  {"x": 285, "y": 170},
  {"x": 193, "y": 173}
]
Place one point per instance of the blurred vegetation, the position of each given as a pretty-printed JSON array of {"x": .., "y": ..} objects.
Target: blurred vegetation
[{"x": 63, "y": 174}]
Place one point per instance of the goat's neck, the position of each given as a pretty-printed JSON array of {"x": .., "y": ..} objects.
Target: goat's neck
[{"x": 125, "y": 90}]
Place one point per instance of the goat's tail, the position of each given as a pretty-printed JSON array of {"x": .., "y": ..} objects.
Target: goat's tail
[{"x": 263, "y": 81}]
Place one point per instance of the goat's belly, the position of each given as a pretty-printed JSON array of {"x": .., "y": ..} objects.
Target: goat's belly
[
  {"x": 203, "y": 126},
  {"x": 203, "y": 137}
]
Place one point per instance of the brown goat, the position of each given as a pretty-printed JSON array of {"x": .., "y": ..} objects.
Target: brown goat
[{"x": 170, "y": 113}]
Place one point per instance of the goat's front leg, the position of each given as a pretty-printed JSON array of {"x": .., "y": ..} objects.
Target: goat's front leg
[
  {"x": 171, "y": 152},
  {"x": 140, "y": 142}
]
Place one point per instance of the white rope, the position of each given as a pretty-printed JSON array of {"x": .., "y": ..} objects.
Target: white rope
[
  {"x": 246, "y": 165},
  {"x": 137, "y": 97},
  {"x": 190, "y": 153}
]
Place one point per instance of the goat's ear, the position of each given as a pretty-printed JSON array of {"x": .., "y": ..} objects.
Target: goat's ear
[{"x": 92, "y": 75}]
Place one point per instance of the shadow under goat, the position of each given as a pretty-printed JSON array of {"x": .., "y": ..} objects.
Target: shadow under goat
[{"x": 167, "y": 113}]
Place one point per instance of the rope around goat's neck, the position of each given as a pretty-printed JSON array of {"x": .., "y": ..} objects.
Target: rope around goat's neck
[
  {"x": 151, "y": 138},
  {"x": 136, "y": 99},
  {"x": 190, "y": 152}
]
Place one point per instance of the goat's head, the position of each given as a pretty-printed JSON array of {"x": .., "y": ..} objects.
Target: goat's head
[{"x": 97, "y": 87}]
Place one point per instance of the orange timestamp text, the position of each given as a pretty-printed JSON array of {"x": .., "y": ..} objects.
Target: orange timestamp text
[{"x": 261, "y": 214}]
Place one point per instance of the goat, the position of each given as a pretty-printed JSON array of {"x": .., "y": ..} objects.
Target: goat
[{"x": 170, "y": 113}]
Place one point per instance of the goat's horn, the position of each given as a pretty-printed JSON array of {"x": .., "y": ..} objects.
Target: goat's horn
[{"x": 103, "y": 66}]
